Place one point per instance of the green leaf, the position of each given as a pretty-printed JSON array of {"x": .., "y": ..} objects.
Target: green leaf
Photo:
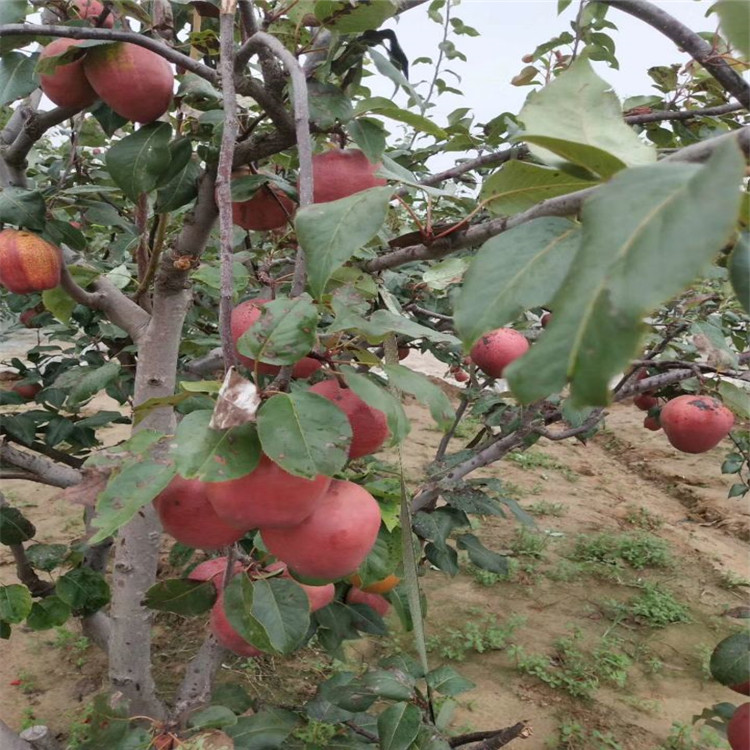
[
  {"x": 738, "y": 266},
  {"x": 398, "y": 726},
  {"x": 284, "y": 333},
  {"x": 133, "y": 487},
  {"x": 15, "y": 528},
  {"x": 383, "y": 558},
  {"x": 447, "y": 681},
  {"x": 369, "y": 135},
  {"x": 472, "y": 500},
  {"x": 233, "y": 696},
  {"x": 273, "y": 614},
  {"x": 22, "y": 427},
  {"x": 328, "y": 104},
  {"x": 578, "y": 117},
  {"x": 12, "y": 11},
  {"x": 213, "y": 717},
  {"x": 386, "y": 108},
  {"x": 481, "y": 556},
  {"x": 60, "y": 303},
  {"x": 139, "y": 161},
  {"x": 382, "y": 323},
  {"x": 304, "y": 433},
  {"x": 24, "y": 208},
  {"x": 519, "y": 269},
  {"x": 379, "y": 398},
  {"x": 181, "y": 596},
  {"x": 17, "y": 76},
  {"x": 390, "y": 685},
  {"x": 266, "y": 730},
  {"x": 330, "y": 233},
  {"x": 180, "y": 190},
  {"x": 50, "y": 612},
  {"x": 83, "y": 590},
  {"x": 350, "y": 18},
  {"x": 445, "y": 273},
  {"x": 425, "y": 391},
  {"x": 15, "y": 603},
  {"x": 736, "y": 398},
  {"x": 646, "y": 235},
  {"x": 214, "y": 455},
  {"x": 46, "y": 557},
  {"x": 4, "y": 630},
  {"x": 734, "y": 16},
  {"x": 82, "y": 383},
  {"x": 519, "y": 185}
]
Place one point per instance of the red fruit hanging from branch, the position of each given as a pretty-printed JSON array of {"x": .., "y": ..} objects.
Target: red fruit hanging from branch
[
  {"x": 27, "y": 262},
  {"x": 134, "y": 81},
  {"x": 186, "y": 515},
  {"x": 91, "y": 10},
  {"x": 339, "y": 173},
  {"x": 695, "y": 424},
  {"x": 369, "y": 425},
  {"x": 269, "y": 208},
  {"x": 334, "y": 539},
  {"x": 66, "y": 85},
  {"x": 266, "y": 497},
  {"x": 497, "y": 349}
]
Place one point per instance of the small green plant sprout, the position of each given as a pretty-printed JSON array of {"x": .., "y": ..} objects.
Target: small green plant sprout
[
  {"x": 655, "y": 607},
  {"x": 643, "y": 518},
  {"x": 637, "y": 550}
]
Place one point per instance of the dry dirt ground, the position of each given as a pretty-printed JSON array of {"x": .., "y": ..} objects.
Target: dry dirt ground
[{"x": 627, "y": 480}]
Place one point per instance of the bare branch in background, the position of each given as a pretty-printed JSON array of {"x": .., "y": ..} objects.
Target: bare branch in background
[
  {"x": 697, "y": 47},
  {"x": 44, "y": 470},
  {"x": 564, "y": 205},
  {"x": 683, "y": 114}
]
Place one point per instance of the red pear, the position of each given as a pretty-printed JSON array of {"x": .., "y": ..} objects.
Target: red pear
[
  {"x": 134, "y": 81},
  {"x": 266, "y": 497},
  {"x": 339, "y": 173},
  {"x": 497, "y": 349},
  {"x": 334, "y": 539},
  {"x": 369, "y": 425},
  {"x": 66, "y": 85},
  {"x": 695, "y": 424},
  {"x": 27, "y": 262},
  {"x": 187, "y": 516},
  {"x": 226, "y": 635},
  {"x": 379, "y": 603}
]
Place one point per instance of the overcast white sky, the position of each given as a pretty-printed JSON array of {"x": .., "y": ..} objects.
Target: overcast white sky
[{"x": 510, "y": 29}]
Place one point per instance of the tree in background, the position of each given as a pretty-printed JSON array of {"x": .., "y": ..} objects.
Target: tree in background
[{"x": 614, "y": 237}]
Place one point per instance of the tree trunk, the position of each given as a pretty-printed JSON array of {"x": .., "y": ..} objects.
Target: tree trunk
[{"x": 137, "y": 544}]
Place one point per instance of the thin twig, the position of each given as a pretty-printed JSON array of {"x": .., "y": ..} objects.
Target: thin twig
[{"x": 683, "y": 114}]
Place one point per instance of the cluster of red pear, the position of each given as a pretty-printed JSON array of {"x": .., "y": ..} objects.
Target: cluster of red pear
[
  {"x": 337, "y": 174},
  {"x": 321, "y": 528},
  {"x": 132, "y": 80}
]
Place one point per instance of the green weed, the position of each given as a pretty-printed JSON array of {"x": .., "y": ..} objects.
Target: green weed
[
  {"x": 643, "y": 518},
  {"x": 574, "y": 667},
  {"x": 477, "y": 635},
  {"x": 571, "y": 735},
  {"x": 683, "y": 737},
  {"x": 655, "y": 607},
  {"x": 528, "y": 543},
  {"x": 637, "y": 550},
  {"x": 545, "y": 508},
  {"x": 488, "y": 578},
  {"x": 730, "y": 581},
  {"x": 317, "y": 733},
  {"x": 529, "y": 460}
]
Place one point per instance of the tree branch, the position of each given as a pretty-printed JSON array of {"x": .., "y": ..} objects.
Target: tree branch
[
  {"x": 9, "y": 740},
  {"x": 564, "y": 205},
  {"x": 45, "y": 470},
  {"x": 504, "y": 736},
  {"x": 224, "y": 179},
  {"x": 114, "y": 35},
  {"x": 697, "y": 47},
  {"x": 683, "y": 114},
  {"x": 107, "y": 298},
  {"x": 197, "y": 683}
]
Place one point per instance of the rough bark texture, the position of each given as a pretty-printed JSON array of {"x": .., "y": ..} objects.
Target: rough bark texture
[{"x": 137, "y": 545}]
